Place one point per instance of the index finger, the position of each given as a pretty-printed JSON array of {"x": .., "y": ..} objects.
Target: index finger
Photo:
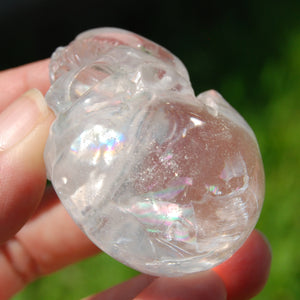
[{"x": 14, "y": 82}]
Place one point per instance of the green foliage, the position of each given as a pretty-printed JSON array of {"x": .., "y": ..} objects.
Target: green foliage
[{"x": 280, "y": 136}]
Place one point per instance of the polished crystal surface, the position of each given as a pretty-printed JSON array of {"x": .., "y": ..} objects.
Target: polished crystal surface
[{"x": 166, "y": 182}]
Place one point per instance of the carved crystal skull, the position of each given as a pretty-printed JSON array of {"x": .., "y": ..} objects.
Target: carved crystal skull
[{"x": 161, "y": 180}]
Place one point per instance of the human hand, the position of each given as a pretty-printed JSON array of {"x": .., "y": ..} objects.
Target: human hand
[{"x": 38, "y": 237}]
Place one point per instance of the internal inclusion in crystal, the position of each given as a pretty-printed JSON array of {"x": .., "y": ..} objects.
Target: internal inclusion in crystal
[{"x": 166, "y": 182}]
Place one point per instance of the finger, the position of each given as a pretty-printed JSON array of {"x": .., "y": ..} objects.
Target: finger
[
  {"x": 247, "y": 271},
  {"x": 48, "y": 242},
  {"x": 24, "y": 127},
  {"x": 16, "y": 81},
  {"x": 205, "y": 285},
  {"x": 126, "y": 290}
]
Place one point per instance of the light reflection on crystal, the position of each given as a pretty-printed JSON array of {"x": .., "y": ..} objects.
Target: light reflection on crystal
[
  {"x": 232, "y": 217},
  {"x": 173, "y": 220},
  {"x": 196, "y": 121},
  {"x": 98, "y": 142},
  {"x": 235, "y": 167},
  {"x": 166, "y": 157},
  {"x": 176, "y": 187},
  {"x": 213, "y": 189}
]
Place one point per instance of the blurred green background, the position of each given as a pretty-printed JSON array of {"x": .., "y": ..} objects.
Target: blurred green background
[{"x": 249, "y": 52}]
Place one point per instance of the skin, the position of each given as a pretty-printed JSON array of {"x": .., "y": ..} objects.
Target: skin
[{"x": 32, "y": 218}]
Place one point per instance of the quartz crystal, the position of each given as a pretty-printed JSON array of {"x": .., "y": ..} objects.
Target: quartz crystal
[{"x": 163, "y": 181}]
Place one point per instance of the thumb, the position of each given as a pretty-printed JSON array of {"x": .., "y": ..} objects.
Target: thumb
[{"x": 24, "y": 127}]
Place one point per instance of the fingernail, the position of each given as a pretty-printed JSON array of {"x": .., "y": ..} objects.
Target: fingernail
[{"x": 20, "y": 118}]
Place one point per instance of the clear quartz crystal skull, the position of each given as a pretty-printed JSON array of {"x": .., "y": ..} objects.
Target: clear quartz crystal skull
[{"x": 163, "y": 181}]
